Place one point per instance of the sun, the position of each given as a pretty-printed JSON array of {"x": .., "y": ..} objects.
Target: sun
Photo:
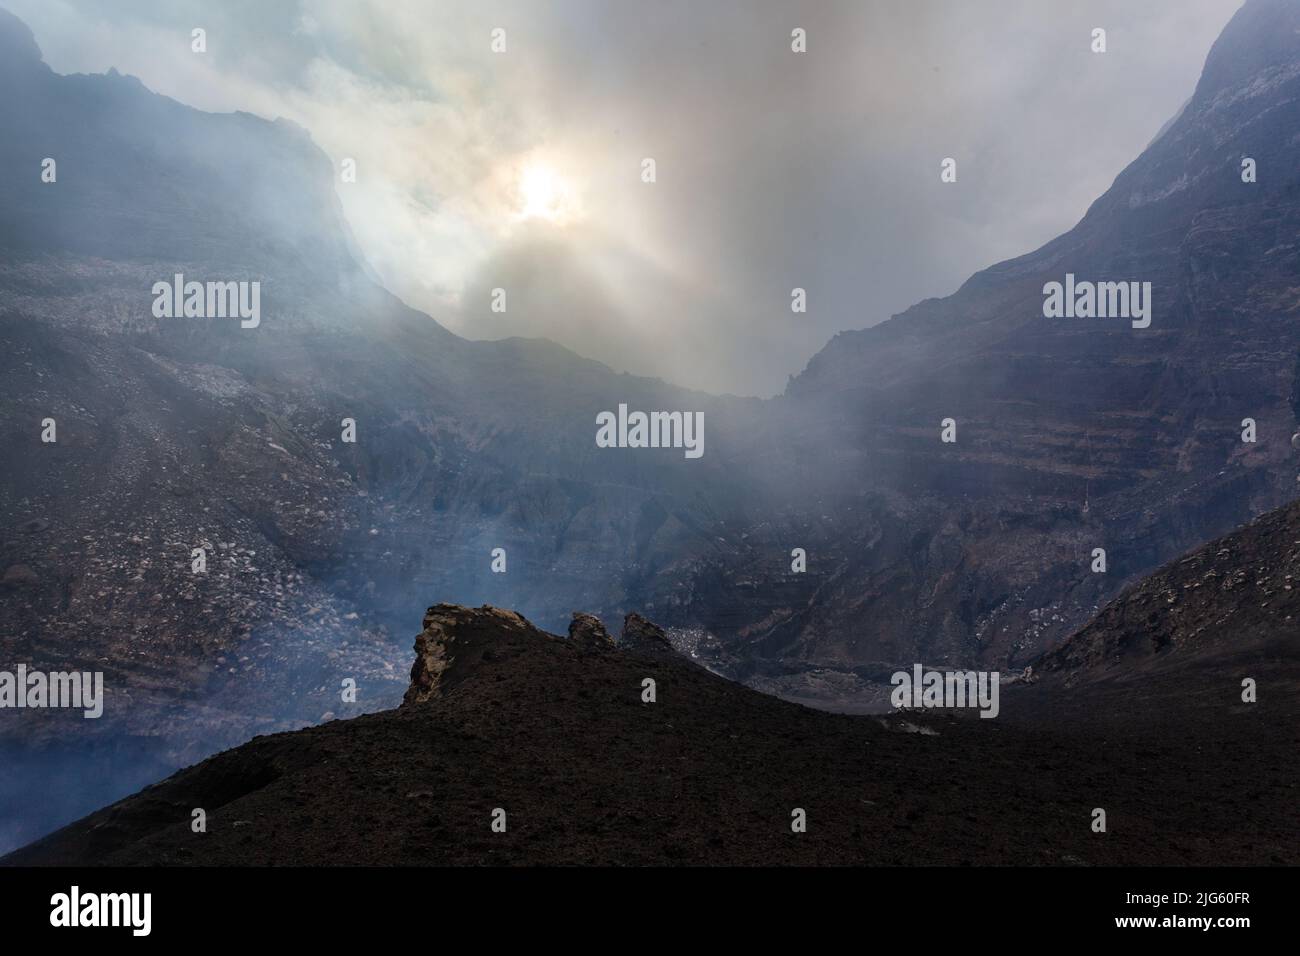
[{"x": 543, "y": 194}]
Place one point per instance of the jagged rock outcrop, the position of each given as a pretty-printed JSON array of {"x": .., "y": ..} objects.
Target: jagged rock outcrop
[
  {"x": 587, "y": 630},
  {"x": 643, "y": 636},
  {"x": 455, "y": 641}
]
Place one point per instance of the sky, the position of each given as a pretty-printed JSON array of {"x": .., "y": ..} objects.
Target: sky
[{"x": 774, "y": 170}]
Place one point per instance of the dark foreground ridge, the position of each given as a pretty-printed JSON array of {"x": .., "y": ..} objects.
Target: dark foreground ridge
[{"x": 1140, "y": 715}]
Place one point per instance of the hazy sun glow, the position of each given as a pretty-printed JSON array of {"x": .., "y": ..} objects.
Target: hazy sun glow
[{"x": 543, "y": 194}]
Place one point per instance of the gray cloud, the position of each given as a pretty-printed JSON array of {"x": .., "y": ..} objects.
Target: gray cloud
[{"x": 775, "y": 170}]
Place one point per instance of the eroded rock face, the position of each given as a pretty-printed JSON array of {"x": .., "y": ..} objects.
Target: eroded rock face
[
  {"x": 455, "y": 641},
  {"x": 1214, "y": 601},
  {"x": 587, "y": 630},
  {"x": 644, "y": 636}
]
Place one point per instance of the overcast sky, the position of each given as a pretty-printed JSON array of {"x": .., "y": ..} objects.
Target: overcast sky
[{"x": 522, "y": 170}]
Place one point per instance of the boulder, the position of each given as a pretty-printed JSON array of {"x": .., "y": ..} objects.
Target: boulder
[
  {"x": 588, "y": 631},
  {"x": 643, "y": 636}
]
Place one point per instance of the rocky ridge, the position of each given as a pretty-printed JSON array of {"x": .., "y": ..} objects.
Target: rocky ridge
[{"x": 505, "y": 722}]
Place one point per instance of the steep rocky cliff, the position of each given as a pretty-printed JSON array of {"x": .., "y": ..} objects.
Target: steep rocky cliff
[{"x": 1071, "y": 433}]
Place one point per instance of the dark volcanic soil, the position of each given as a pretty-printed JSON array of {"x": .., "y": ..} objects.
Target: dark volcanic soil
[{"x": 554, "y": 732}]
